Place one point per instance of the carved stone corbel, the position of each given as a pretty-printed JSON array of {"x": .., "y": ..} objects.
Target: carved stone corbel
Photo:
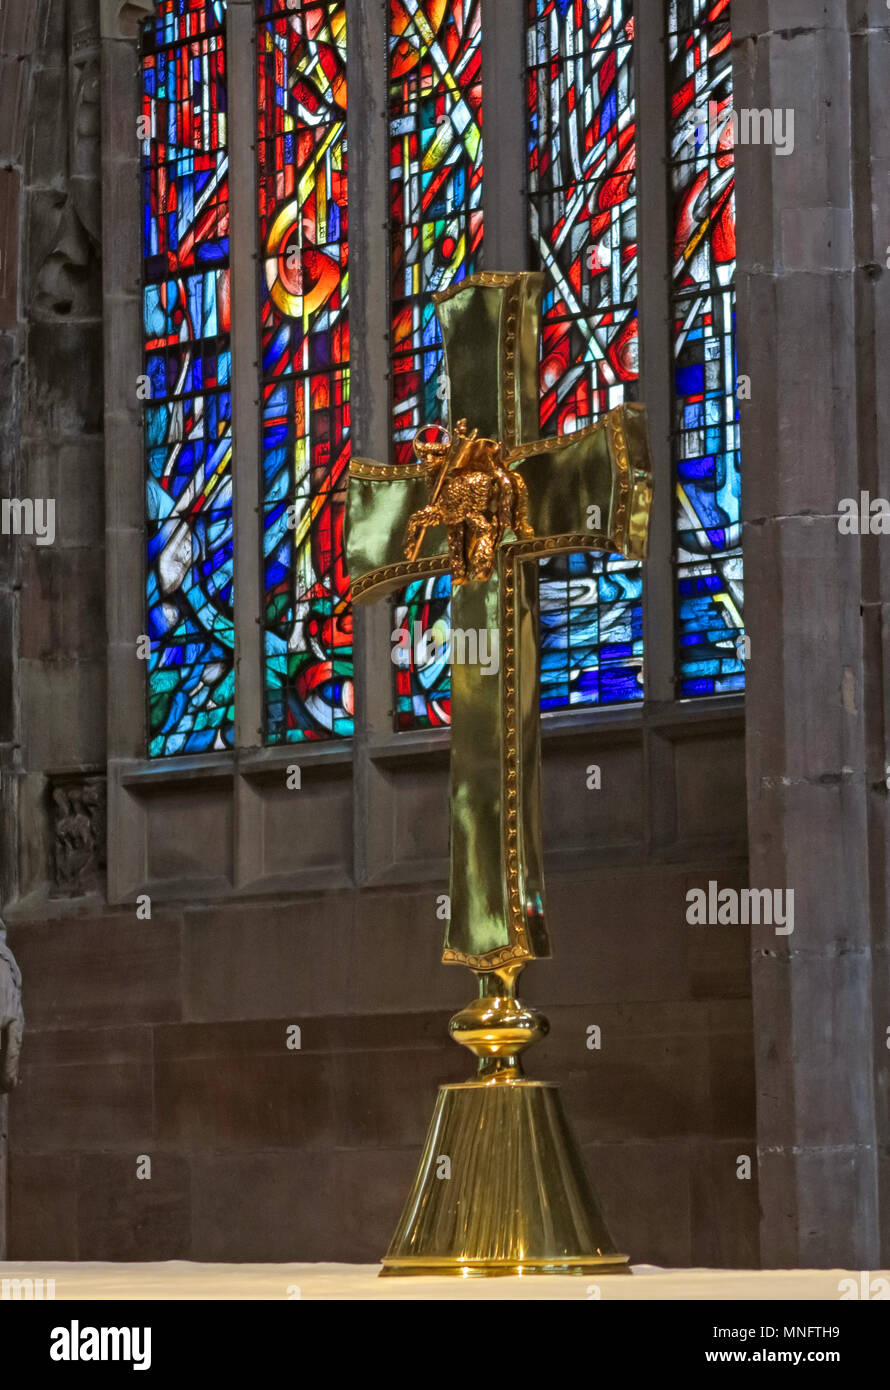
[
  {"x": 78, "y": 810},
  {"x": 122, "y": 19}
]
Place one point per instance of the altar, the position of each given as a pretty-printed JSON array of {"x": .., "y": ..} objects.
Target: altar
[{"x": 182, "y": 1280}]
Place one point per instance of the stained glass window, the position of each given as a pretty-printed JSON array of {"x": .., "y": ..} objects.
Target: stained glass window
[
  {"x": 583, "y": 221},
  {"x": 305, "y": 367},
  {"x": 706, "y": 438},
  {"x": 188, "y": 440},
  {"x": 435, "y": 123},
  {"x": 582, "y": 185}
]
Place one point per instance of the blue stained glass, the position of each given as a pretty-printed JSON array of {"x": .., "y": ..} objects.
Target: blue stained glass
[
  {"x": 188, "y": 441},
  {"x": 582, "y": 180},
  {"x": 302, "y": 210},
  {"x": 710, "y": 624},
  {"x": 436, "y": 225},
  {"x": 581, "y": 160}
]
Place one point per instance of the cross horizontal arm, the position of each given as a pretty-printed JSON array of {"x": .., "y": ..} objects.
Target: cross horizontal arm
[
  {"x": 380, "y": 501},
  {"x": 591, "y": 490},
  {"x": 587, "y": 491}
]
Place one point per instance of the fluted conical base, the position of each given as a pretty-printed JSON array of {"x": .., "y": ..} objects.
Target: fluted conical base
[{"x": 501, "y": 1190}]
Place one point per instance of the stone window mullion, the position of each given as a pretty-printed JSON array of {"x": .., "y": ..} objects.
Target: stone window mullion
[
  {"x": 370, "y": 419},
  {"x": 656, "y": 351},
  {"x": 241, "y": 32},
  {"x": 505, "y": 242}
]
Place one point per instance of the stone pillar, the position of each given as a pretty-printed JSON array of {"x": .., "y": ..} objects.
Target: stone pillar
[
  {"x": 16, "y": 41},
  {"x": 814, "y": 312}
]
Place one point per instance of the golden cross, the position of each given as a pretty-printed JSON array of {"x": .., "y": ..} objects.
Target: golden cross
[{"x": 486, "y": 508}]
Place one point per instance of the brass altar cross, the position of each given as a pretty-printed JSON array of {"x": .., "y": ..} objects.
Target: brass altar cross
[{"x": 586, "y": 491}]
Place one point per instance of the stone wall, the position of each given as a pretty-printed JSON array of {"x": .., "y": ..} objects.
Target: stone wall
[
  {"x": 169, "y": 1039},
  {"x": 52, "y": 695}
]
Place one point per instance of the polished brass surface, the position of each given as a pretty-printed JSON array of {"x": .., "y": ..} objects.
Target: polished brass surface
[
  {"x": 476, "y": 1269},
  {"x": 485, "y": 507},
  {"x": 512, "y": 1197},
  {"x": 496, "y": 1027},
  {"x": 435, "y": 456},
  {"x": 497, "y": 1030},
  {"x": 533, "y": 498},
  {"x": 603, "y": 470},
  {"x": 475, "y": 499}
]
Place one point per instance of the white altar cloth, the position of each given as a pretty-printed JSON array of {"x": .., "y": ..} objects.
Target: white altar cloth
[{"x": 339, "y": 1282}]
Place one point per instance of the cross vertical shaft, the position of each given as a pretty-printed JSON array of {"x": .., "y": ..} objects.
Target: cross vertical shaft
[
  {"x": 490, "y": 328},
  {"x": 497, "y": 883},
  {"x": 517, "y": 1200}
]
